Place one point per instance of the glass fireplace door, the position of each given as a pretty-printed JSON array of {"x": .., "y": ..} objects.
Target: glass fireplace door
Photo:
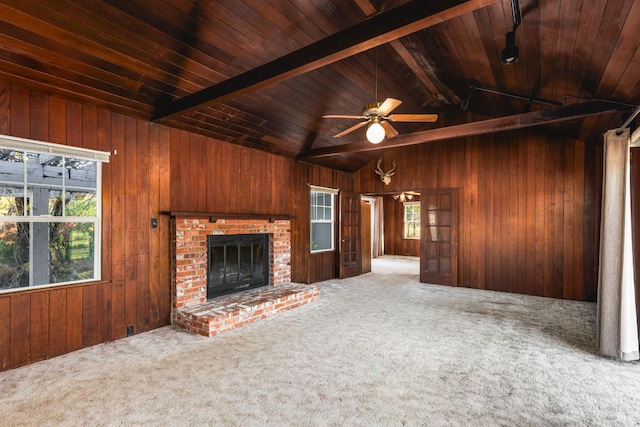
[{"x": 236, "y": 263}]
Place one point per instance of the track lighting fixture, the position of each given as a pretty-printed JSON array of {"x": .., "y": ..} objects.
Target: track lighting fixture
[{"x": 511, "y": 54}]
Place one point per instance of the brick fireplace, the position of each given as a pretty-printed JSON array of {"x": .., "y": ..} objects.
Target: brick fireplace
[{"x": 190, "y": 307}]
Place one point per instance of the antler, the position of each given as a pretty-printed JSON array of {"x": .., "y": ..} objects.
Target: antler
[
  {"x": 379, "y": 170},
  {"x": 392, "y": 171},
  {"x": 385, "y": 176}
]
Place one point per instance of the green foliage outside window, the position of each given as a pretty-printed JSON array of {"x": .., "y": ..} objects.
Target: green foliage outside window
[
  {"x": 412, "y": 220},
  {"x": 48, "y": 219}
]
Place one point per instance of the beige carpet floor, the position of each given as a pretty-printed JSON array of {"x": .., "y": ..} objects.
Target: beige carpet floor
[{"x": 381, "y": 349}]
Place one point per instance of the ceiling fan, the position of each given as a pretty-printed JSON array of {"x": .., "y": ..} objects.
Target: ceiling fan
[
  {"x": 376, "y": 116},
  {"x": 405, "y": 196}
]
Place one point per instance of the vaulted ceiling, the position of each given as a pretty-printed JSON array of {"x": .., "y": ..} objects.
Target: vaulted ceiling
[{"x": 262, "y": 73}]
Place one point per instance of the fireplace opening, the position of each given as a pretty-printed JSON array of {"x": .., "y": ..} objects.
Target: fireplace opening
[{"x": 236, "y": 263}]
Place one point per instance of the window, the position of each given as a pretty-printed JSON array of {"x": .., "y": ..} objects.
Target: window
[
  {"x": 411, "y": 220},
  {"x": 50, "y": 211},
  {"x": 322, "y": 223}
]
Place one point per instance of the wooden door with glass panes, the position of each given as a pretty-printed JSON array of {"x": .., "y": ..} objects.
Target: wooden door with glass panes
[
  {"x": 349, "y": 251},
  {"x": 439, "y": 236}
]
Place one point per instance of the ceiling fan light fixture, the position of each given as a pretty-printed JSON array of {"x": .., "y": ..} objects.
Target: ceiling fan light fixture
[
  {"x": 511, "y": 53},
  {"x": 375, "y": 131},
  {"x": 403, "y": 197}
]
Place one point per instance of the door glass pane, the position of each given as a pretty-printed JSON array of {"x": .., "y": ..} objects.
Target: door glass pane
[
  {"x": 445, "y": 249},
  {"x": 258, "y": 260},
  {"x": 444, "y": 233},
  {"x": 445, "y": 202},
  {"x": 216, "y": 265},
  {"x": 432, "y": 249},
  {"x": 246, "y": 253},
  {"x": 231, "y": 272},
  {"x": 433, "y": 265},
  {"x": 349, "y": 259},
  {"x": 444, "y": 217},
  {"x": 445, "y": 265}
]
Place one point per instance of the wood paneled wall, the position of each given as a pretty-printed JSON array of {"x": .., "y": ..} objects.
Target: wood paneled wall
[
  {"x": 153, "y": 170},
  {"x": 394, "y": 241},
  {"x": 307, "y": 267},
  {"x": 208, "y": 175},
  {"x": 38, "y": 324},
  {"x": 530, "y": 205}
]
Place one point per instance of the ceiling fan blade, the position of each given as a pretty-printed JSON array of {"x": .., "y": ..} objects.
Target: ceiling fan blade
[
  {"x": 351, "y": 129},
  {"x": 388, "y": 106},
  {"x": 413, "y": 117},
  {"x": 342, "y": 116},
  {"x": 389, "y": 131}
]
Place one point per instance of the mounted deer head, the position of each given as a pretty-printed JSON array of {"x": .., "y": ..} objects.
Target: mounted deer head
[{"x": 385, "y": 176}]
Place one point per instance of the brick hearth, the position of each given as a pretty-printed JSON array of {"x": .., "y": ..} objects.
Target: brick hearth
[
  {"x": 232, "y": 311},
  {"x": 190, "y": 307}
]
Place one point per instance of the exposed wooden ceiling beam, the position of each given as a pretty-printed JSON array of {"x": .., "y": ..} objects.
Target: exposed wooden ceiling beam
[
  {"x": 377, "y": 30},
  {"x": 518, "y": 121},
  {"x": 425, "y": 75}
]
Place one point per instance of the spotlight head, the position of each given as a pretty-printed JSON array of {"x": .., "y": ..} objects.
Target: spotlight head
[{"x": 511, "y": 53}]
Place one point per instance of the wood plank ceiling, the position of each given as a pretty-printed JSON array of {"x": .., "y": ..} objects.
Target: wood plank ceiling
[{"x": 139, "y": 57}]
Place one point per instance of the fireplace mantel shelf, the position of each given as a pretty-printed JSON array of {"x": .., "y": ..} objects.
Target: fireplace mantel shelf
[{"x": 215, "y": 216}]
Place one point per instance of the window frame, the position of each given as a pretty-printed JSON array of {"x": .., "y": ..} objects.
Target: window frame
[
  {"x": 28, "y": 147},
  {"x": 415, "y": 221},
  {"x": 326, "y": 191}
]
